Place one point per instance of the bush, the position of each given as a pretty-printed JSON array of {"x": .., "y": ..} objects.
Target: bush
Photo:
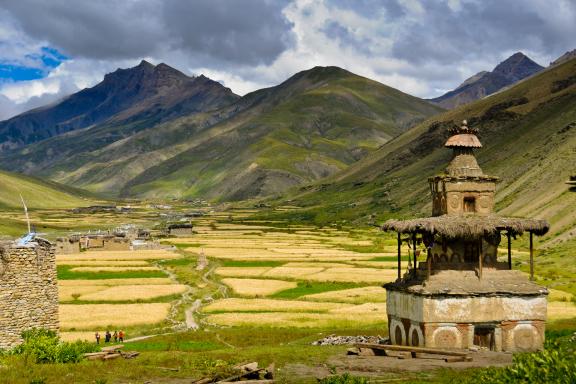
[
  {"x": 344, "y": 379},
  {"x": 44, "y": 346},
  {"x": 555, "y": 364}
]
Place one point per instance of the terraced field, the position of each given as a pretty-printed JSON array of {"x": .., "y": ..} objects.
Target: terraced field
[
  {"x": 298, "y": 276},
  {"x": 109, "y": 290}
]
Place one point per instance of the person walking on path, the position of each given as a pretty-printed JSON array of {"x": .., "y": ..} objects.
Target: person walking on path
[
  {"x": 121, "y": 336},
  {"x": 107, "y": 337},
  {"x": 115, "y": 336},
  {"x": 97, "y": 335}
]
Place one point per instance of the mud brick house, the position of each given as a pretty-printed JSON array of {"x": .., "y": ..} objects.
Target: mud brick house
[{"x": 462, "y": 295}]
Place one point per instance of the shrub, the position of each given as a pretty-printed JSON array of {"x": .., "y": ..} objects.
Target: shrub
[
  {"x": 344, "y": 379},
  {"x": 44, "y": 346},
  {"x": 555, "y": 364}
]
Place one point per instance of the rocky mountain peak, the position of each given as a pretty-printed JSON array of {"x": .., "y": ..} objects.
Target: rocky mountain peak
[
  {"x": 517, "y": 67},
  {"x": 569, "y": 55}
]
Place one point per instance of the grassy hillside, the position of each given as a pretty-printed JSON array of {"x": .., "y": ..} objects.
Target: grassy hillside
[
  {"x": 528, "y": 134},
  {"x": 37, "y": 194},
  {"x": 313, "y": 125}
]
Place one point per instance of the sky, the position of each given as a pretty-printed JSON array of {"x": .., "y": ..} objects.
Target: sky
[{"x": 50, "y": 49}]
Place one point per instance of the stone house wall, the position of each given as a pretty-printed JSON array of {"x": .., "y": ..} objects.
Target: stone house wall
[
  {"x": 517, "y": 322},
  {"x": 180, "y": 232},
  {"x": 28, "y": 290}
]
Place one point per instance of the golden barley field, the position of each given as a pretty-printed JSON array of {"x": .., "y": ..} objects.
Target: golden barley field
[
  {"x": 119, "y": 255},
  {"x": 131, "y": 292},
  {"x": 258, "y": 287},
  {"x": 269, "y": 305},
  {"x": 90, "y": 316},
  {"x": 355, "y": 295},
  {"x": 112, "y": 282},
  {"x": 297, "y": 320}
]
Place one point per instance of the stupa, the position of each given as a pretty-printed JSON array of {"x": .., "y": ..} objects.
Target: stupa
[{"x": 462, "y": 295}]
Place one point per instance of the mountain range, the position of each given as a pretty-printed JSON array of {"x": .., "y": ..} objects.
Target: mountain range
[
  {"x": 326, "y": 133},
  {"x": 517, "y": 67},
  {"x": 153, "y": 132},
  {"x": 528, "y": 133}
]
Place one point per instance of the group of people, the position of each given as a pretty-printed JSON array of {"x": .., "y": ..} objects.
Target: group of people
[{"x": 118, "y": 336}]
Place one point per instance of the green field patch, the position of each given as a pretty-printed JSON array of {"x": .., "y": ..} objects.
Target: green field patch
[
  {"x": 388, "y": 258},
  {"x": 178, "y": 262},
  {"x": 65, "y": 273},
  {"x": 174, "y": 345},
  {"x": 255, "y": 263},
  {"x": 309, "y": 288},
  {"x": 159, "y": 299}
]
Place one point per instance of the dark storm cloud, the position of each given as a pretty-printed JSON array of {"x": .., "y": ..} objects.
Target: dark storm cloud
[
  {"x": 246, "y": 32},
  {"x": 480, "y": 28},
  {"x": 335, "y": 30}
]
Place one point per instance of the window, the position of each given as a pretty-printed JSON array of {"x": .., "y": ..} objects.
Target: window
[{"x": 469, "y": 204}]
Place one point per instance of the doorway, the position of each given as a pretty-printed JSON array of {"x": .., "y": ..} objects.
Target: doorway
[{"x": 484, "y": 336}]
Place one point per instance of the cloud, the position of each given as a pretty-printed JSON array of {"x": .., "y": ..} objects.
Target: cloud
[
  {"x": 238, "y": 32},
  {"x": 420, "y": 47}
]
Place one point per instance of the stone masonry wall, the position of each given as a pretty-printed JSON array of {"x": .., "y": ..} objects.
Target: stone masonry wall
[{"x": 28, "y": 290}]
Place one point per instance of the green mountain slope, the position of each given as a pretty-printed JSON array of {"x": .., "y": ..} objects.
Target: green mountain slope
[
  {"x": 37, "y": 194},
  {"x": 316, "y": 123},
  {"x": 528, "y": 134},
  {"x": 313, "y": 125}
]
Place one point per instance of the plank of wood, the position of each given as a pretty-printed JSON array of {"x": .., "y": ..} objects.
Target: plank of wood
[
  {"x": 249, "y": 381},
  {"x": 432, "y": 351},
  {"x": 112, "y": 348},
  {"x": 111, "y": 356},
  {"x": 95, "y": 354}
]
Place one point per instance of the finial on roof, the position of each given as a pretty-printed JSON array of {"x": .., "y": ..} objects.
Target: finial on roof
[{"x": 463, "y": 136}]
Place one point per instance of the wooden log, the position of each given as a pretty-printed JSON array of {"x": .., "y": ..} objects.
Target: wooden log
[
  {"x": 247, "y": 367},
  {"x": 111, "y": 356},
  {"x": 270, "y": 371},
  {"x": 95, "y": 354},
  {"x": 432, "y": 351},
  {"x": 96, "y": 357},
  {"x": 112, "y": 348},
  {"x": 250, "y": 381},
  {"x": 244, "y": 375},
  {"x": 205, "y": 380}
]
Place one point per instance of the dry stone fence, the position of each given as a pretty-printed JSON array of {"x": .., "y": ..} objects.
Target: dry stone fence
[{"x": 28, "y": 290}]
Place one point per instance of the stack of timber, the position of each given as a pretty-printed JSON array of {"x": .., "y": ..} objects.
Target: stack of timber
[
  {"x": 408, "y": 352},
  {"x": 245, "y": 372},
  {"x": 111, "y": 353}
]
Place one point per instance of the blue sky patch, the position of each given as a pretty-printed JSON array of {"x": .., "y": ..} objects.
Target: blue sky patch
[{"x": 47, "y": 59}]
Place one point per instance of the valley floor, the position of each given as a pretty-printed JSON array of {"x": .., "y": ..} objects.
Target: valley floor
[{"x": 258, "y": 291}]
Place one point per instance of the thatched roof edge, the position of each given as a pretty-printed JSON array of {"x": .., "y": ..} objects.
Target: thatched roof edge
[{"x": 468, "y": 226}]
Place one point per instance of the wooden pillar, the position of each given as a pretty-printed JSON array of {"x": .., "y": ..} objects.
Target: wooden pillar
[
  {"x": 480, "y": 258},
  {"x": 509, "y": 250},
  {"x": 414, "y": 247},
  {"x": 399, "y": 255},
  {"x": 531, "y": 257}
]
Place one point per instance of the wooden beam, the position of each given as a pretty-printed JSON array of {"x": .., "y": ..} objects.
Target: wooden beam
[
  {"x": 531, "y": 256},
  {"x": 509, "y": 250},
  {"x": 414, "y": 247},
  {"x": 399, "y": 256},
  {"x": 406, "y": 348},
  {"x": 480, "y": 257}
]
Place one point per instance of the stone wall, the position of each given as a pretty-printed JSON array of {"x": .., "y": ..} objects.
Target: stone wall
[{"x": 28, "y": 290}]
